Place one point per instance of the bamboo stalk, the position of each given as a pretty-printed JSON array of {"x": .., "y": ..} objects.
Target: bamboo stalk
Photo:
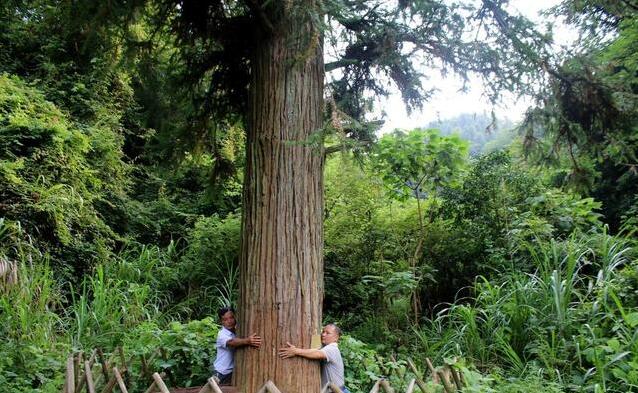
[
  {"x": 411, "y": 385},
  {"x": 159, "y": 382},
  {"x": 120, "y": 381},
  {"x": 70, "y": 376},
  {"x": 386, "y": 386},
  {"x": 88, "y": 375},
  {"x": 375, "y": 388}
]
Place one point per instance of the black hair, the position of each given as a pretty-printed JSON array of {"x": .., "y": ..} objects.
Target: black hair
[{"x": 224, "y": 310}]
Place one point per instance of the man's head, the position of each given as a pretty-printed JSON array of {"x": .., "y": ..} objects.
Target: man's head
[
  {"x": 330, "y": 334},
  {"x": 227, "y": 317}
]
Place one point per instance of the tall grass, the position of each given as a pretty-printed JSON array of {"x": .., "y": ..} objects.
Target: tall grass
[
  {"x": 563, "y": 319},
  {"x": 30, "y": 328}
]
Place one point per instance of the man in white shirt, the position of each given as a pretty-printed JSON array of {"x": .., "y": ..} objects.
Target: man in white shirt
[
  {"x": 226, "y": 344},
  {"x": 329, "y": 356}
]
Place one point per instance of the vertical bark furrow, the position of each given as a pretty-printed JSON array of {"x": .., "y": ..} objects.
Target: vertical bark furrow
[{"x": 282, "y": 241}]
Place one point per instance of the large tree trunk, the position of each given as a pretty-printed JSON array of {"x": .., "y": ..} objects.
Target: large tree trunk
[{"x": 281, "y": 268}]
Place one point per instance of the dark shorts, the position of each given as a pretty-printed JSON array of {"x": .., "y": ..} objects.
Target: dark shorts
[{"x": 224, "y": 379}]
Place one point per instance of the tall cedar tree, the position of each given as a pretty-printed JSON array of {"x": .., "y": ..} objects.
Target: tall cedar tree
[{"x": 263, "y": 60}]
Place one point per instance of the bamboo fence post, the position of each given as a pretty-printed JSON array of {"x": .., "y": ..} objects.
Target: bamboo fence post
[
  {"x": 105, "y": 371},
  {"x": 120, "y": 381},
  {"x": 151, "y": 388},
  {"x": 77, "y": 367},
  {"x": 213, "y": 385},
  {"x": 102, "y": 360},
  {"x": 386, "y": 386},
  {"x": 411, "y": 385},
  {"x": 449, "y": 388},
  {"x": 430, "y": 367},
  {"x": 334, "y": 388},
  {"x": 88, "y": 375},
  {"x": 108, "y": 388},
  {"x": 84, "y": 380},
  {"x": 272, "y": 388},
  {"x": 456, "y": 377},
  {"x": 159, "y": 382},
  {"x": 375, "y": 388},
  {"x": 269, "y": 386},
  {"x": 419, "y": 379},
  {"x": 69, "y": 382}
]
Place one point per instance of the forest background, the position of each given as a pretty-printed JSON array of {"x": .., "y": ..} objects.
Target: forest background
[{"x": 120, "y": 204}]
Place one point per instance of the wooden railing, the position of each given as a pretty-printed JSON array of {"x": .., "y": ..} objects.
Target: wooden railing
[{"x": 81, "y": 375}]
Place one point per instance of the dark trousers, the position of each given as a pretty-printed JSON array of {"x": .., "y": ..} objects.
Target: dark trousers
[{"x": 224, "y": 379}]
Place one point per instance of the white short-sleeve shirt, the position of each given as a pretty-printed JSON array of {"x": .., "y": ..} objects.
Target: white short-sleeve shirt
[
  {"x": 225, "y": 360},
  {"x": 332, "y": 367}
]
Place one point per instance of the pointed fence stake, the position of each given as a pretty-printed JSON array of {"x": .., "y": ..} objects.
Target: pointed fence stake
[
  {"x": 431, "y": 368},
  {"x": 419, "y": 379},
  {"x": 78, "y": 364},
  {"x": 70, "y": 376},
  {"x": 447, "y": 385},
  {"x": 386, "y": 386},
  {"x": 270, "y": 387},
  {"x": 334, "y": 388},
  {"x": 120, "y": 381},
  {"x": 151, "y": 388},
  {"x": 411, "y": 385},
  {"x": 159, "y": 382},
  {"x": 90, "y": 385},
  {"x": 456, "y": 377},
  {"x": 213, "y": 385},
  {"x": 108, "y": 388}
]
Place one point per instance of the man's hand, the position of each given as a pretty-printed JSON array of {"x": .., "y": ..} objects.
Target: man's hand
[
  {"x": 254, "y": 340},
  {"x": 288, "y": 351}
]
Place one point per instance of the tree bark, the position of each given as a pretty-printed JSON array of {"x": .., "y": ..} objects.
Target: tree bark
[{"x": 281, "y": 267}]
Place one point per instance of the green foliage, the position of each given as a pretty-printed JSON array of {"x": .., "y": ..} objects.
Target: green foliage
[
  {"x": 186, "y": 350},
  {"x": 31, "y": 352},
  {"x": 587, "y": 119},
  {"x": 564, "y": 318},
  {"x": 419, "y": 161},
  {"x": 53, "y": 176}
]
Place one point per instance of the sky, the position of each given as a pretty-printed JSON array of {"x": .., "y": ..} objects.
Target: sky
[{"x": 449, "y": 101}]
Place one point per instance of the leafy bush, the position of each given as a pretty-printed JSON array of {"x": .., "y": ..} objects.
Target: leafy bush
[
  {"x": 186, "y": 350},
  {"x": 51, "y": 179}
]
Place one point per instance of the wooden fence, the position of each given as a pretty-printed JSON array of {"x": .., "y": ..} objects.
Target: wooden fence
[{"x": 98, "y": 374}]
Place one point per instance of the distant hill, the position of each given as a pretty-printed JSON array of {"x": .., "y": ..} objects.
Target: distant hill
[{"x": 483, "y": 133}]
